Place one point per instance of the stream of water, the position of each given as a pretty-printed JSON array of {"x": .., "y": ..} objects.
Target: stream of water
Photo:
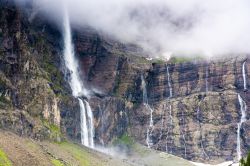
[
  {"x": 170, "y": 119},
  {"x": 151, "y": 122},
  {"x": 244, "y": 75},
  {"x": 78, "y": 90},
  {"x": 243, "y": 108}
]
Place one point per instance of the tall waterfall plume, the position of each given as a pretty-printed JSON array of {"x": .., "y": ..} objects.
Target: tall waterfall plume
[
  {"x": 243, "y": 108},
  {"x": 151, "y": 122},
  {"x": 244, "y": 75},
  {"x": 78, "y": 90}
]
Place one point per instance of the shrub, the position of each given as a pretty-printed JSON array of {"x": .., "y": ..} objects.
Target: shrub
[{"x": 245, "y": 162}]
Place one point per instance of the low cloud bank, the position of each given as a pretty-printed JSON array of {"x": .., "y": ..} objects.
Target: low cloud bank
[{"x": 162, "y": 27}]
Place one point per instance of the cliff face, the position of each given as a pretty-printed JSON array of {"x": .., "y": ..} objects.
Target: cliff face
[
  {"x": 195, "y": 104},
  {"x": 33, "y": 91},
  {"x": 197, "y": 120},
  {"x": 200, "y": 120}
]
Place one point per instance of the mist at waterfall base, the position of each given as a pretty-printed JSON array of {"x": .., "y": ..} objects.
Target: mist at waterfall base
[{"x": 162, "y": 27}]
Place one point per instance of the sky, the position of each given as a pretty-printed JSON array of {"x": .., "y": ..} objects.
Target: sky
[{"x": 162, "y": 27}]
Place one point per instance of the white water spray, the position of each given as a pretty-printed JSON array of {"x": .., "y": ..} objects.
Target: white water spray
[
  {"x": 90, "y": 124},
  {"x": 151, "y": 122},
  {"x": 70, "y": 60},
  {"x": 84, "y": 128},
  {"x": 243, "y": 108},
  {"x": 87, "y": 129},
  {"x": 169, "y": 84},
  {"x": 244, "y": 75}
]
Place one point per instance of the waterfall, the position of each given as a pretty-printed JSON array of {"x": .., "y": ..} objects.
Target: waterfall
[
  {"x": 206, "y": 79},
  {"x": 90, "y": 124},
  {"x": 201, "y": 138},
  {"x": 87, "y": 129},
  {"x": 151, "y": 122},
  {"x": 170, "y": 124},
  {"x": 84, "y": 128},
  {"x": 70, "y": 60},
  {"x": 244, "y": 75},
  {"x": 243, "y": 108},
  {"x": 169, "y": 84},
  {"x": 170, "y": 111}
]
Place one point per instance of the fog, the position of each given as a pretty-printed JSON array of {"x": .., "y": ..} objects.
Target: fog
[{"x": 162, "y": 27}]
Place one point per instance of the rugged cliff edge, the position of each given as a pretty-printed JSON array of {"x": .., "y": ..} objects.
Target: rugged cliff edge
[
  {"x": 33, "y": 92},
  {"x": 198, "y": 121},
  {"x": 195, "y": 104}
]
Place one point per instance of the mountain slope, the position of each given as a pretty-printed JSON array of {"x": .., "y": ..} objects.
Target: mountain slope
[{"x": 24, "y": 151}]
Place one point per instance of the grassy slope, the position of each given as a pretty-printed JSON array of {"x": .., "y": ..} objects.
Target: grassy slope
[
  {"x": 4, "y": 161},
  {"x": 141, "y": 155},
  {"x": 23, "y": 151}
]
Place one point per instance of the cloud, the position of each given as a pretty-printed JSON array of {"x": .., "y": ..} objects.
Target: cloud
[{"x": 162, "y": 26}]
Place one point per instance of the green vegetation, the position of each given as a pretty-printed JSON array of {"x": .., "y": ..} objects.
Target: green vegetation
[
  {"x": 245, "y": 162},
  {"x": 4, "y": 161},
  {"x": 78, "y": 152},
  {"x": 4, "y": 100},
  {"x": 116, "y": 87},
  {"x": 56, "y": 162},
  {"x": 159, "y": 61},
  {"x": 141, "y": 150},
  {"x": 54, "y": 75},
  {"x": 182, "y": 59},
  {"x": 141, "y": 60},
  {"x": 64, "y": 98},
  {"x": 55, "y": 130},
  {"x": 2, "y": 82},
  {"x": 125, "y": 139}
]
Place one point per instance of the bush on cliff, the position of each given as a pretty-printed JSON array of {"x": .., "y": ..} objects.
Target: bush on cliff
[{"x": 245, "y": 162}]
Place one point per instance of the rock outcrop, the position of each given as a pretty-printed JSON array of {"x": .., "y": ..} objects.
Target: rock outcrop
[
  {"x": 33, "y": 91},
  {"x": 198, "y": 121}
]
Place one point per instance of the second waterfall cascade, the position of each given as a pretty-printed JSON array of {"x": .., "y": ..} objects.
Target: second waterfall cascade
[
  {"x": 78, "y": 90},
  {"x": 169, "y": 139},
  {"x": 151, "y": 123},
  {"x": 243, "y": 109}
]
